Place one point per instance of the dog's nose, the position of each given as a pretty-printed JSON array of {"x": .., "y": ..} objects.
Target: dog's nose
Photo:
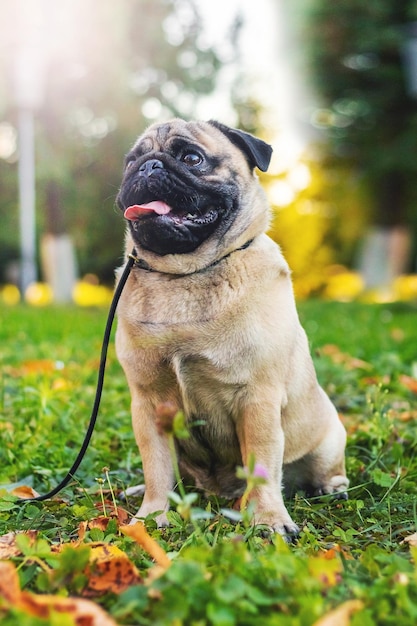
[{"x": 147, "y": 168}]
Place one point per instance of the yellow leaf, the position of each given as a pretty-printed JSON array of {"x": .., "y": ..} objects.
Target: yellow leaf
[
  {"x": 340, "y": 616},
  {"x": 109, "y": 569},
  {"x": 326, "y": 568},
  {"x": 139, "y": 533}
]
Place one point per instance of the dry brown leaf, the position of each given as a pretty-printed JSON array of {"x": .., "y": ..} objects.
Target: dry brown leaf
[
  {"x": 409, "y": 382},
  {"x": 340, "y": 616},
  {"x": 342, "y": 358},
  {"x": 99, "y": 522},
  {"x": 407, "y": 416},
  {"x": 82, "y": 529},
  {"x": 122, "y": 516},
  {"x": 8, "y": 546},
  {"x": 109, "y": 569},
  {"x": 139, "y": 533},
  {"x": 376, "y": 380},
  {"x": 9, "y": 583},
  {"x": 25, "y": 492},
  {"x": 43, "y": 606},
  {"x": 111, "y": 512}
]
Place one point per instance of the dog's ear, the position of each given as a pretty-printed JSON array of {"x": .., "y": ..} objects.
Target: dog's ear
[{"x": 257, "y": 152}]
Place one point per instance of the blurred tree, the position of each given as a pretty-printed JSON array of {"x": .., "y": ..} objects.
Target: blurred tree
[
  {"x": 368, "y": 116},
  {"x": 109, "y": 70}
]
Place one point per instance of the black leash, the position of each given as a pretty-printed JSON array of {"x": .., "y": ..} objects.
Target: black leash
[{"x": 106, "y": 339}]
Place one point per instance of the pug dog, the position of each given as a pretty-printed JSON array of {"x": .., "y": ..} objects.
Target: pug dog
[{"x": 207, "y": 322}]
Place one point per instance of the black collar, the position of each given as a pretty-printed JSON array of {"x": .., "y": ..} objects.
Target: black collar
[{"x": 143, "y": 265}]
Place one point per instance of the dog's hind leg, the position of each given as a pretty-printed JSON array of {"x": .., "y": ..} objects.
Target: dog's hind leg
[{"x": 322, "y": 470}]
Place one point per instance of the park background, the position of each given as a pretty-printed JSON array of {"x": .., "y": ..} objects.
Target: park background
[{"x": 332, "y": 86}]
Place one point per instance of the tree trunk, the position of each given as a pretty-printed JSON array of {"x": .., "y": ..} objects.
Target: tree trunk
[{"x": 385, "y": 255}]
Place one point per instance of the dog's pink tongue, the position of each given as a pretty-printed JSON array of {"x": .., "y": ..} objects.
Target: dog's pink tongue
[{"x": 157, "y": 206}]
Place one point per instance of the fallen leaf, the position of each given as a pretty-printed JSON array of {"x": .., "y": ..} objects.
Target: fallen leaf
[
  {"x": 38, "y": 366},
  {"x": 111, "y": 511},
  {"x": 25, "y": 492},
  {"x": 82, "y": 529},
  {"x": 8, "y": 545},
  {"x": 411, "y": 540},
  {"x": 327, "y": 568},
  {"x": 409, "y": 382},
  {"x": 109, "y": 569},
  {"x": 334, "y": 552},
  {"x": 397, "y": 334},
  {"x": 83, "y": 612},
  {"x": 376, "y": 380},
  {"x": 407, "y": 416},
  {"x": 342, "y": 358},
  {"x": 139, "y": 533},
  {"x": 9, "y": 583},
  {"x": 99, "y": 522},
  {"x": 341, "y": 615}
]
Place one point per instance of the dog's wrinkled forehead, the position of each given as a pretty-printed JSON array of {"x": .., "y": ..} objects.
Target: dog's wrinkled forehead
[
  {"x": 155, "y": 138},
  {"x": 162, "y": 137}
]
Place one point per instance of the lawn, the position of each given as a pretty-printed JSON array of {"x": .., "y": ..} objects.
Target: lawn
[{"x": 354, "y": 562}]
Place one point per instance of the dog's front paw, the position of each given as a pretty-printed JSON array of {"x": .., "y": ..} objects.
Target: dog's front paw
[
  {"x": 279, "y": 523},
  {"x": 289, "y": 531}
]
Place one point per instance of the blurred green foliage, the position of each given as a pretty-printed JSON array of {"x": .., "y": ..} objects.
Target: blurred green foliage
[{"x": 356, "y": 56}]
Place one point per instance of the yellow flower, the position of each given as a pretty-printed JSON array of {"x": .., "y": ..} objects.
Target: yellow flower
[
  {"x": 88, "y": 294},
  {"x": 10, "y": 294},
  {"x": 405, "y": 287},
  {"x": 343, "y": 286},
  {"x": 39, "y": 294}
]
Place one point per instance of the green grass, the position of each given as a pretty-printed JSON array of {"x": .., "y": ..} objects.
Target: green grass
[{"x": 223, "y": 574}]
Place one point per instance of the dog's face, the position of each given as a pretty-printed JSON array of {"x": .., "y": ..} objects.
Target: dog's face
[{"x": 187, "y": 182}]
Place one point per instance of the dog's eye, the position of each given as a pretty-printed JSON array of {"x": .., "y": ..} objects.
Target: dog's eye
[{"x": 191, "y": 159}]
